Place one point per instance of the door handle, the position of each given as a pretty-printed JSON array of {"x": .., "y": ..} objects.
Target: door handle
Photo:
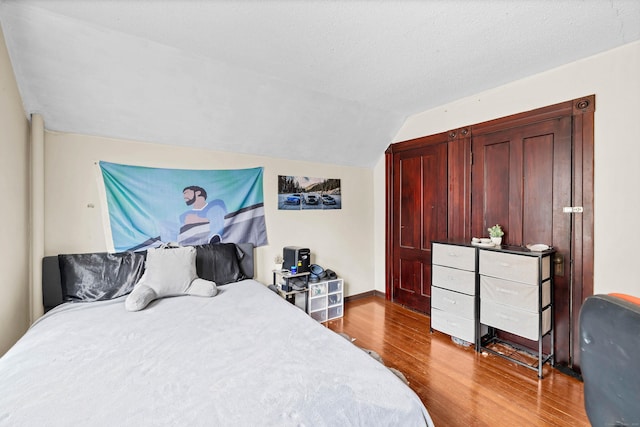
[{"x": 558, "y": 264}]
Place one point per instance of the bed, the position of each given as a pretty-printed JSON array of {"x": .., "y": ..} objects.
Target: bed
[{"x": 244, "y": 357}]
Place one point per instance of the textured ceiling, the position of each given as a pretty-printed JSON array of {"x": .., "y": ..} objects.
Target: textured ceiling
[{"x": 327, "y": 81}]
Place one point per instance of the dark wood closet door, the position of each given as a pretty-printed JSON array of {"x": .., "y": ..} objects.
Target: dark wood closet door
[
  {"x": 419, "y": 216},
  {"x": 521, "y": 179},
  {"x": 524, "y": 169}
]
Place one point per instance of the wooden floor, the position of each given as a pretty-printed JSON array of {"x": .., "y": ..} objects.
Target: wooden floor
[{"x": 459, "y": 386}]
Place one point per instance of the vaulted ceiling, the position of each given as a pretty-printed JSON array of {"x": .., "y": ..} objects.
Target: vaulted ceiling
[{"x": 325, "y": 81}]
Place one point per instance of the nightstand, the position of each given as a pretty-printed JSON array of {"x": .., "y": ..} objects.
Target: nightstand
[{"x": 293, "y": 287}]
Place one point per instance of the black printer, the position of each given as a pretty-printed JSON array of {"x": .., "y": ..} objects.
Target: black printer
[{"x": 296, "y": 256}]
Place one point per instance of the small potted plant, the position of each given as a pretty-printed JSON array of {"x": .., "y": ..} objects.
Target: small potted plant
[
  {"x": 277, "y": 262},
  {"x": 496, "y": 234}
]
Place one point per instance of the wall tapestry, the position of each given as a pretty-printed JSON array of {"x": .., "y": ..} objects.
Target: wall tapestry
[
  {"x": 149, "y": 206},
  {"x": 302, "y": 192}
]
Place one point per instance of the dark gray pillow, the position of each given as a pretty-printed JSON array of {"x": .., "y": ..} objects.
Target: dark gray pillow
[
  {"x": 99, "y": 276},
  {"x": 219, "y": 262}
]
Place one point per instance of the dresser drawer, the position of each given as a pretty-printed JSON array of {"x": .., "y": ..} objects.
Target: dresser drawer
[
  {"x": 514, "y": 294},
  {"x": 454, "y": 279},
  {"x": 519, "y": 268},
  {"x": 509, "y": 319},
  {"x": 453, "y": 325},
  {"x": 453, "y": 302},
  {"x": 461, "y": 257}
]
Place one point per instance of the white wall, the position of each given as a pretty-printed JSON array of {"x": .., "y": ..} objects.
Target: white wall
[
  {"x": 380, "y": 223},
  {"x": 14, "y": 215},
  {"x": 614, "y": 77},
  {"x": 339, "y": 239}
]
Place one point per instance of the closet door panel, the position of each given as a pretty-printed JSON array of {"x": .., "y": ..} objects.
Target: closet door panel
[
  {"x": 420, "y": 177},
  {"x": 521, "y": 179}
]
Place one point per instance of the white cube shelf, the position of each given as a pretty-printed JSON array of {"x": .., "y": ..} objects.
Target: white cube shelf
[{"x": 326, "y": 299}]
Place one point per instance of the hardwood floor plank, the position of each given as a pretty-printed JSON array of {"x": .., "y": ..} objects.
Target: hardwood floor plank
[{"x": 458, "y": 386}]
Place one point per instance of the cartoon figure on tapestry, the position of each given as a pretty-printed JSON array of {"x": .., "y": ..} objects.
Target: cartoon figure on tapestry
[{"x": 204, "y": 221}]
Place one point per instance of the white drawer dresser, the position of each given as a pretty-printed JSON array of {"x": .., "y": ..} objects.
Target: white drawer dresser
[
  {"x": 516, "y": 296},
  {"x": 454, "y": 302},
  {"x": 476, "y": 292}
]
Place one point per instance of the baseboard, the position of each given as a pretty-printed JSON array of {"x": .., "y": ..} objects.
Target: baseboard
[
  {"x": 568, "y": 371},
  {"x": 373, "y": 293}
]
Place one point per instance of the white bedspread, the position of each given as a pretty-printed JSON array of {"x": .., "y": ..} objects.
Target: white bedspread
[{"x": 242, "y": 358}]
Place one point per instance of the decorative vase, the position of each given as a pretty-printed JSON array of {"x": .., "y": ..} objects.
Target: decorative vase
[{"x": 496, "y": 240}]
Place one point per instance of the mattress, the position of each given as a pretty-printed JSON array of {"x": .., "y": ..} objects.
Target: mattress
[{"x": 242, "y": 358}]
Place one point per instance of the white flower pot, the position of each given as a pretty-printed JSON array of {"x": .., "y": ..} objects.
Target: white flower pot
[{"x": 496, "y": 240}]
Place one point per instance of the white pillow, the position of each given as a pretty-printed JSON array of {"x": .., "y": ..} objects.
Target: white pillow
[{"x": 168, "y": 272}]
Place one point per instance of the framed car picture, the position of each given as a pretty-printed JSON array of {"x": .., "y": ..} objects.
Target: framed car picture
[{"x": 306, "y": 193}]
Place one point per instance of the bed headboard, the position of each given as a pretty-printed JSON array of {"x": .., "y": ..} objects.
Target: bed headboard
[{"x": 52, "y": 282}]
